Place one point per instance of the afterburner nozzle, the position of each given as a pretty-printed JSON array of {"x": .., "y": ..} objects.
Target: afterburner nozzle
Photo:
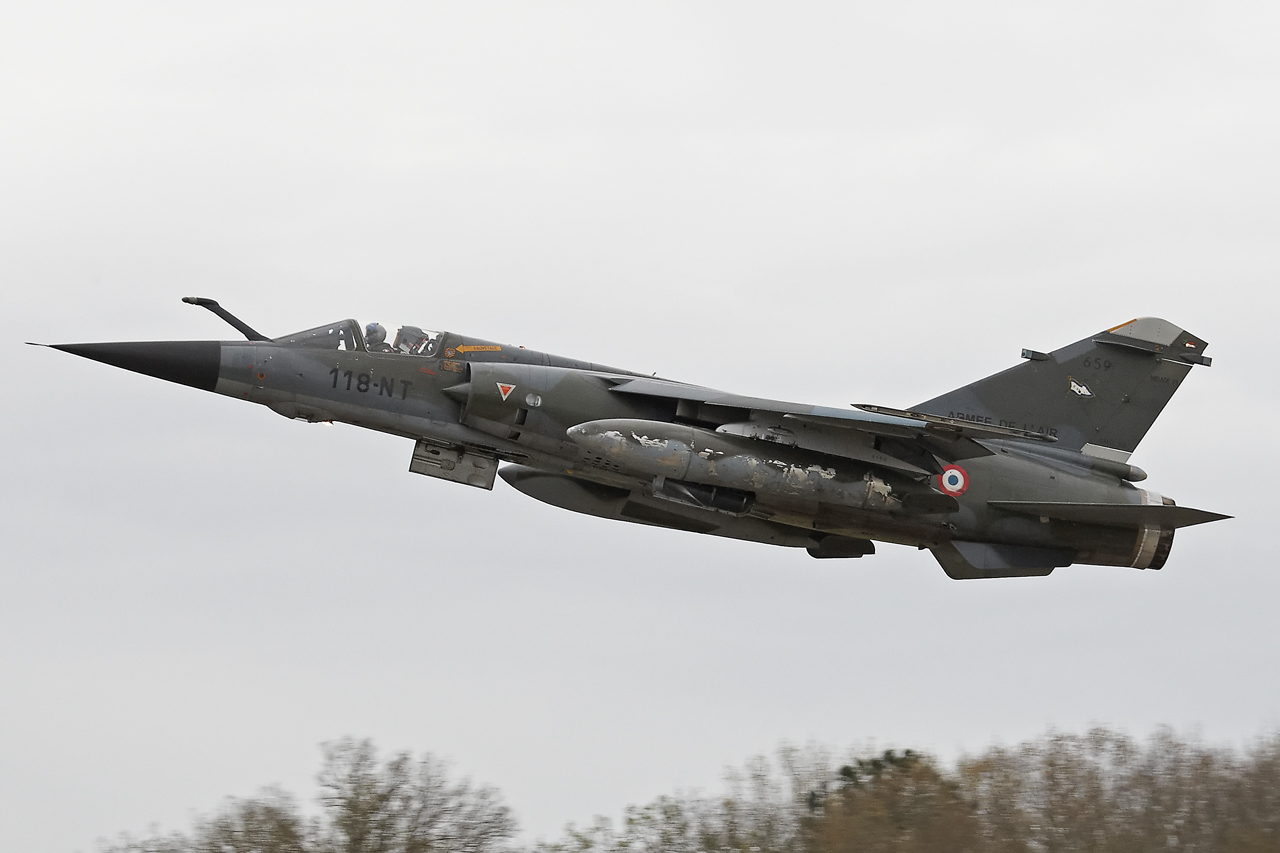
[{"x": 193, "y": 363}]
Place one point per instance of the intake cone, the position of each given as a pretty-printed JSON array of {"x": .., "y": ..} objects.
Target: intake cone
[{"x": 193, "y": 363}]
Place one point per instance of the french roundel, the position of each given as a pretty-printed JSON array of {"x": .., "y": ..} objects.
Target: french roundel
[{"x": 953, "y": 480}]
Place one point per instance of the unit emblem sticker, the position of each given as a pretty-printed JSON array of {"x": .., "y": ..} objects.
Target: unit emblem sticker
[
  {"x": 953, "y": 480},
  {"x": 1079, "y": 388},
  {"x": 505, "y": 390}
]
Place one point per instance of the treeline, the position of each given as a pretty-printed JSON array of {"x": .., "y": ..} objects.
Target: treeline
[{"x": 1101, "y": 792}]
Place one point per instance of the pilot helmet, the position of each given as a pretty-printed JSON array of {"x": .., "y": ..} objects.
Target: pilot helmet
[{"x": 374, "y": 334}]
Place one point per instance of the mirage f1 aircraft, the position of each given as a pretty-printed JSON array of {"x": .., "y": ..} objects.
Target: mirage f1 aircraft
[{"x": 1011, "y": 476}]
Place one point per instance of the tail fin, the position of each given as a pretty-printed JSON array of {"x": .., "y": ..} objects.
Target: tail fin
[{"x": 1100, "y": 395}]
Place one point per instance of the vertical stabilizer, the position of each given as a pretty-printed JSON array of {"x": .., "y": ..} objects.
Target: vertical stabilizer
[{"x": 1099, "y": 395}]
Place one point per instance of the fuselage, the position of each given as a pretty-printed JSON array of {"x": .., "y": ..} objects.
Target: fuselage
[{"x": 525, "y": 407}]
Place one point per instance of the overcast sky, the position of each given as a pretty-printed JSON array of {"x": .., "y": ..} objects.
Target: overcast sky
[{"x": 825, "y": 203}]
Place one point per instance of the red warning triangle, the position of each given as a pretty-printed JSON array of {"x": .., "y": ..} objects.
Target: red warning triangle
[{"x": 505, "y": 390}]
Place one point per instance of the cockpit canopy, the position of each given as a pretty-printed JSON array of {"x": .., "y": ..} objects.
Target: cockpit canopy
[
  {"x": 346, "y": 335},
  {"x": 343, "y": 335},
  {"x": 409, "y": 340}
]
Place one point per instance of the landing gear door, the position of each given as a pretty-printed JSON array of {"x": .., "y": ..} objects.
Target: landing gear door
[{"x": 455, "y": 464}]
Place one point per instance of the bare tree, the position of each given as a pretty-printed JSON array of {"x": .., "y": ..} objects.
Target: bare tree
[
  {"x": 405, "y": 806},
  {"x": 401, "y": 805},
  {"x": 1102, "y": 792},
  {"x": 269, "y": 824},
  {"x": 760, "y": 812}
]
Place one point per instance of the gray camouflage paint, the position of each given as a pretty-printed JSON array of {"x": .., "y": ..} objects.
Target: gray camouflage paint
[{"x": 1013, "y": 475}]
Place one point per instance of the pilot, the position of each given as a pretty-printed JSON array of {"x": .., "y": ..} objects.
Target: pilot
[{"x": 375, "y": 337}]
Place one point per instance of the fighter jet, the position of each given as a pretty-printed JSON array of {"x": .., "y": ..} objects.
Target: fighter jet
[{"x": 1013, "y": 475}]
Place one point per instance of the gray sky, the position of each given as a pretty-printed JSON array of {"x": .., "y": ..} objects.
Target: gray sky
[{"x": 827, "y": 203}]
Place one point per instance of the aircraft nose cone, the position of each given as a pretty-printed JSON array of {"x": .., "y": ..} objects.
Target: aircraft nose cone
[{"x": 193, "y": 363}]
